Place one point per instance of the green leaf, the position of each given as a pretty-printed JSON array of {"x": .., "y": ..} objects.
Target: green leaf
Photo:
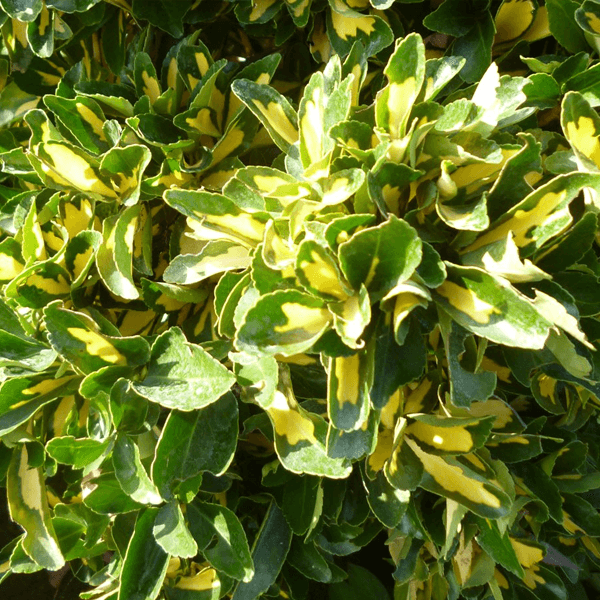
[
  {"x": 194, "y": 442},
  {"x": 219, "y": 214},
  {"x": 230, "y": 553},
  {"x": 498, "y": 546},
  {"x": 491, "y": 308},
  {"x": 348, "y": 395},
  {"x": 23, "y": 10},
  {"x": 476, "y": 47},
  {"x": 131, "y": 474},
  {"x": 82, "y": 119},
  {"x": 71, "y": 6},
  {"x": 182, "y": 375},
  {"x": 125, "y": 167},
  {"x": 300, "y": 436},
  {"x": 78, "y": 453},
  {"x": 301, "y": 502},
  {"x": 268, "y": 554},
  {"x": 28, "y": 505},
  {"x": 306, "y": 558},
  {"x": 361, "y": 583},
  {"x": 283, "y": 322},
  {"x": 405, "y": 72},
  {"x": 108, "y": 498},
  {"x": 217, "y": 256},
  {"x": 451, "y": 18},
  {"x": 381, "y": 257},
  {"x": 23, "y": 351},
  {"x": 271, "y": 108},
  {"x": 22, "y": 397},
  {"x": 171, "y": 532},
  {"x": 450, "y": 478},
  {"x": 40, "y": 33},
  {"x": 387, "y": 503},
  {"x": 78, "y": 338},
  {"x": 564, "y": 27},
  {"x": 466, "y": 384},
  {"x": 166, "y": 16},
  {"x": 344, "y": 30},
  {"x": 145, "y": 563}
]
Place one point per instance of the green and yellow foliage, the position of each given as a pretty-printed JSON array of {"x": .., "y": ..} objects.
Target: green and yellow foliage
[{"x": 285, "y": 279}]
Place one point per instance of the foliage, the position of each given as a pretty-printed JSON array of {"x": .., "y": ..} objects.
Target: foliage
[{"x": 278, "y": 277}]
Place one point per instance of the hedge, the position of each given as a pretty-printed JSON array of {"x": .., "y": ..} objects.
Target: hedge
[{"x": 289, "y": 284}]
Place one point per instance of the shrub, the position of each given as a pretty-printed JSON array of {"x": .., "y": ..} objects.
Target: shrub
[{"x": 283, "y": 280}]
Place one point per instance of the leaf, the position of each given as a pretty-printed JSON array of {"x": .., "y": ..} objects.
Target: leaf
[
  {"x": 466, "y": 386},
  {"x": 83, "y": 119},
  {"x": 561, "y": 16},
  {"x": 108, "y": 498},
  {"x": 163, "y": 15},
  {"x": 78, "y": 453},
  {"x": 451, "y": 18},
  {"x": 66, "y": 167},
  {"x": 271, "y": 108},
  {"x": 171, "y": 532},
  {"x": 405, "y": 72},
  {"x": 182, "y": 375},
  {"x": 347, "y": 397},
  {"x": 581, "y": 125},
  {"x": 513, "y": 19},
  {"x": 491, "y": 308},
  {"x": 361, "y": 583},
  {"x": 511, "y": 183},
  {"x": 300, "y": 436},
  {"x": 23, "y": 351},
  {"x": 23, "y": 10},
  {"x": 301, "y": 502},
  {"x": 285, "y": 321},
  {"x": 306, "y": 558},
  {"x": 387, "y": 503},
  {"x": 259, "y": 11},
  {"x": 395, "y": 364},
  {"x": 145, "y": 563},
  {"x": 125, "y": 167},
  {"x": 476, "y": 47},
  {"x": 131, "y": 474},
  {"x": 543, "y": 214},
  {"x": 446, "y": 476},
  {"x": 219, "y": 214},
  {"x": 445, "y": 436},
  {"x": 380, "y": 257},
  {"x": 587, "y": 17},
  {"x": 194, "y": 442},
  {"x": 78, "y": 338},
  {"x": 268, "y": 554},
  {"x": 114, "y": 257},
  {"x": 498, "y": 546},
  {"x": 230, "y": 553},
  {"x": 28, "y": 505},
  {"x": 40, "y": 33},
  {"x": 344, "y": 30},
  {"x": 217, "y": 256}
]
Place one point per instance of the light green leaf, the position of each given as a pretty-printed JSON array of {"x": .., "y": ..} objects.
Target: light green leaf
[
  {"x": 230, "y": 554},
  {"x": 171, "y": 532},
  {"x": 182, "y": 375}
]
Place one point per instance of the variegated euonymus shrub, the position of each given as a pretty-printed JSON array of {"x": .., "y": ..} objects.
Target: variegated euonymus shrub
[{"x": 256, "y": 316}]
